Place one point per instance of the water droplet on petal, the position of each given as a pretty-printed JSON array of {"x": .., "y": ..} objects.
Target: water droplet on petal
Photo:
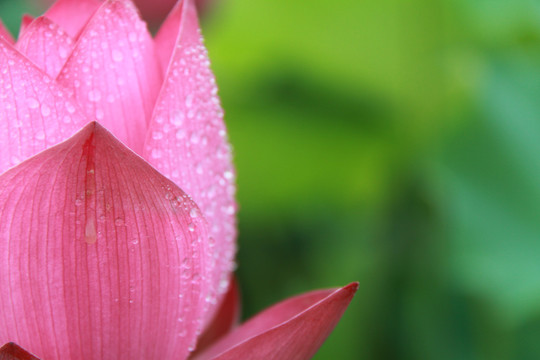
[
  {"x": 32, "y": 103},
  {"x": 117, "y": 55},
  {"x": 94, "y": 95}
]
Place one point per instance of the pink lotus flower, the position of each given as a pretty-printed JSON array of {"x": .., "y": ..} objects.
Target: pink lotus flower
[{"x": 117, "y": 210}]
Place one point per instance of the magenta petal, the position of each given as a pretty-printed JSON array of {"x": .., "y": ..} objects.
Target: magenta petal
[
  {"x": 72, "y": 15},
  {"x": 35, "y": 114},
  {"x": 114, "y": 72},
  {"x": 187, "y": 142},
  {"x": 167, "y": 36},
  {"x": 4, "y": 32},
  {"x": 100, "y": 257},
  {"x": 292, "y": 329},
  {"x": 12, "y": 351},
  {"x": 46, "y": 44}
]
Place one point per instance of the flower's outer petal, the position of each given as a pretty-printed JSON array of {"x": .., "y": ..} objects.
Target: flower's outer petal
[
  {"x": 25, "y": 22},
  {"x": 187, "y": 142},
  {"x": 4, "y": 33},
  {"x": 46, "y": 44},
  {"x": 12, "y": 351},
  {"x": 293, "y": 329},
  {"x": 35, "y": 112},
  {"x": 114, "y": 73},
  {"x": 72, "y": 15},
  {"x": 226, "y": 317},
  {"x": 99, "y": 256}
]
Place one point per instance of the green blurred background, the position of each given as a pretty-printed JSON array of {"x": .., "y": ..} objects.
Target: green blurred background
[{"x": 395, "y": 143}]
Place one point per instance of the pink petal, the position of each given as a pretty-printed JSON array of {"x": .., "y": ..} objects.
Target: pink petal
[
  {"x": 35, "y": 114},
  {"x": 168, "y": 33},
  {"x": 4, "y": 33},
  {"x": 99, "y": 255},
  {"x": 72, "y": 15},
  {"x": 114, "y": 73},
  {"x": 227, "y": 317},
  {"x": 25, "y": 22},
  {"x": 187, "y": 142},
  {"x": 12, "y": 351},
  {"x": 46, "y": 44},
  {"x": 292, "y": 329}
]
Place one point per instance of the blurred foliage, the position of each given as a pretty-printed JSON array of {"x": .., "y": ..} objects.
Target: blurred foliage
[{"x": 396, "y": 143}]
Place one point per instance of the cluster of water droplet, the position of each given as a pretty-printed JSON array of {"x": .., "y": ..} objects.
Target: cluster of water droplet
[
  {"x": 114, "y": 77},
  {"x": 189, "y": 121},
  {"x": 32, "y": 104}
]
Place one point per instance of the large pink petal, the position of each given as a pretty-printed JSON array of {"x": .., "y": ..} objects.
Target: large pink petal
[
  {"x": 12, "y": 351},
  {"x": 35, "y": 112},
  {"x": 114, "y": 72},
  {"x": 72, "y": 15},
  {"x": 100, "y": 257},
  {"x": 226, "y": 317},
  {"x": 187, "y": 142},
  {"x": 46, "y": 44},
  {"x": 4, "y": 32},
  {"x": 293, "y": 329}
]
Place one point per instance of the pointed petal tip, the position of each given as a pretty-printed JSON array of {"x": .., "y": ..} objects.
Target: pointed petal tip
[
  {"x": 292, "y": 329},
  {"x": 352, "y": 287}
]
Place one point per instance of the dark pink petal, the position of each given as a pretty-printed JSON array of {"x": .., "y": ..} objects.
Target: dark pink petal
[
  {"x": 187, "y": 142},
  {"x": 4, "y": 33},
  {"x": 226, "y": 317},
  {"x": 72, "y": 15},
  {"x": 46, "y": 44},
  {"x": 100, "y": 257},
  {"x": 114, "y": 72},
  {"x": 12, "y": 351},
  {"x": 154, "y": 11},
  {"x": 293, "y": 329},
  {"x": 35, "y": 112},
  {"x": 25, "y": 22}
]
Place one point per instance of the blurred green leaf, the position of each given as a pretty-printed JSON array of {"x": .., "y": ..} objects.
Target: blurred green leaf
[{"x": 492, "y": 193}]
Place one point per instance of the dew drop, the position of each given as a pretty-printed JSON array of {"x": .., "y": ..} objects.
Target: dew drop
[
  {"x": 100, "y": 114},
  {"x": 70, "y": 108},
  {"x": 62, "y": 52},
  {"x": 94, "y": 95},
  {"x": 117, "y": 55},
  {"x": 40, "y": 135},
  {"x": 180, "y": 134},
  {"x": 191, "y": 227},
  {"x": 177, "y": 119},
  {"x": 156, "y": 153},
  {"x": 90, "y": 235},
  {"x": 32, "y": 103}
]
